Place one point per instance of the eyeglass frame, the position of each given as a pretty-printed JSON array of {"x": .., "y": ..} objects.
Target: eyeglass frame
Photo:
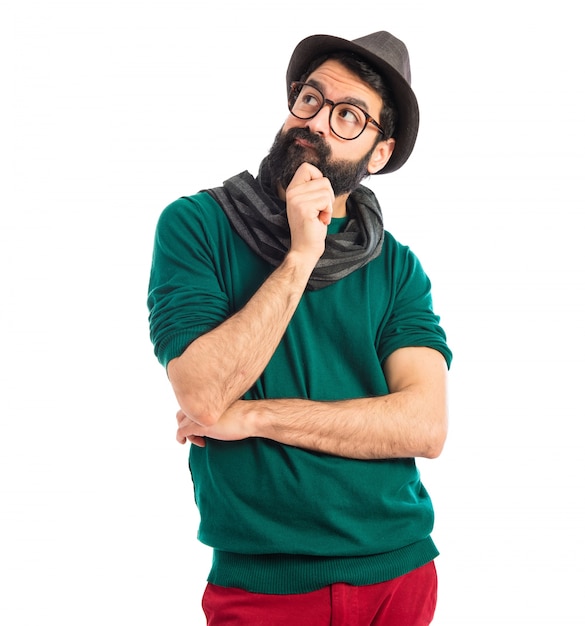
[{"x": 369, "y": 119}]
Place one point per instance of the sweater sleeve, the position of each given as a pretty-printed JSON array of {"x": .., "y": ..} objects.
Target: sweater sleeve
[
  {"x": 185, "y": 297},
  {"x": 411, "y": 320}
]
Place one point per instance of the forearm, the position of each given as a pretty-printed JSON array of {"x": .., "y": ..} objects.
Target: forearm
[
  {"x": 220, "y": 366},
  {"x": 410, "y": 421},
  {"x": 396, "y": 425}
]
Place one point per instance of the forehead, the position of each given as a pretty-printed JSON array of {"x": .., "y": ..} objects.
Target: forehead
[{"x": 339, "y": 83}]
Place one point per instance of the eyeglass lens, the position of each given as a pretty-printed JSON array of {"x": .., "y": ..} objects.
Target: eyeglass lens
[{"x": 346, "y": 120}]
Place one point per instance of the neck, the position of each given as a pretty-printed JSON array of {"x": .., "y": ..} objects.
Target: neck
[{"x": 340, "y": 206}]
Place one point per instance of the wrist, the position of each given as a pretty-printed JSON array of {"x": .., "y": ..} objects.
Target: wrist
[
  {"x": 298, "y": 266},
  {"x": 252, "y": 417}
]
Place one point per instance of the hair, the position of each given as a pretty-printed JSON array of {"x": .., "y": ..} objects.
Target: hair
[{"x": 362, "y": 69}]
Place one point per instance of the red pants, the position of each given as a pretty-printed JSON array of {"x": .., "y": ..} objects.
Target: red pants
[{"x": 409, "y": 600}]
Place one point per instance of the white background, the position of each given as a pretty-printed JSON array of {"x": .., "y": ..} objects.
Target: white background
[{"x": 111, "y": 110}]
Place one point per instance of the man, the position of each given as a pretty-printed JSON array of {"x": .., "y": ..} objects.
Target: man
[{"x": 308, "y": 364}]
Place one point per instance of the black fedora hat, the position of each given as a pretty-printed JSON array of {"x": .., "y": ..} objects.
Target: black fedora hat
[{"x": 389, "y": 57}]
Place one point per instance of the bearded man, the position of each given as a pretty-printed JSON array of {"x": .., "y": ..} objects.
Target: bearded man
[{"x": 308, "y": 364}]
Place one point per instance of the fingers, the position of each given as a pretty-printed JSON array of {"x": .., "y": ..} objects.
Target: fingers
[
  {"x": 310, "y": 187},
  {"x": 305, "y": 173},
  {"x": 194, "y": 439},
  {"x": 186, "y": 428},
  {"x": 309, "y": 207},
  {"x": 198, "y": 441}
]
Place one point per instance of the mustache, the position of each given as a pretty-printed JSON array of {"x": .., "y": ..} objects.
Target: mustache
[{"x": 317, "y": 142}]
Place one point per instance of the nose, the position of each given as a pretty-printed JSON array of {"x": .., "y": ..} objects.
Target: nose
[{"x": 320, "y": 123}]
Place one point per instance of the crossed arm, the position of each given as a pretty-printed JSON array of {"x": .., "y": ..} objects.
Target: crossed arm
[
  {"x": 215, "y": 371},
  {"x": 410, "y": 421}
]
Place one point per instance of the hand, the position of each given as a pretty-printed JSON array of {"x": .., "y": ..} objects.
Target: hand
[
  {"x": 187, "y": 428},
  {"x": 233, "y": 425},
  {"x": 309, "y": 205}
]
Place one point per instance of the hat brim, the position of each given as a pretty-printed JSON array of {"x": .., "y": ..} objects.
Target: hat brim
[{"x": 408, "y": 113}]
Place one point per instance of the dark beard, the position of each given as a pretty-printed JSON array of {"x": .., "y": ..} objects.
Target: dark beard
[{"x": 286, "y": 156}]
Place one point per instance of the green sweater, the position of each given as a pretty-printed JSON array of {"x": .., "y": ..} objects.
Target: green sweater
[{"x": 283, "y": 519}]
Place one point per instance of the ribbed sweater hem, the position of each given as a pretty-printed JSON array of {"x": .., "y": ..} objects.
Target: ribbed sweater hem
[{"x": 289, "y": 573}]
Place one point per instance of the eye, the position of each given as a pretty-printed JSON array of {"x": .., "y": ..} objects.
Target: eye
[
  {"x": 349, "y": 115},
  {"x": 306, "y": 102},
  {"x": 309, "y": 97}
]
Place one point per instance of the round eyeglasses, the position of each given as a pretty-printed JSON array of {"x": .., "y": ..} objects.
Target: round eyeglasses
[{"x": 347, "y": 120}]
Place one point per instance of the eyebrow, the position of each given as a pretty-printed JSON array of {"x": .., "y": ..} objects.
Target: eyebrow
[{"x": 357, "y": 101}]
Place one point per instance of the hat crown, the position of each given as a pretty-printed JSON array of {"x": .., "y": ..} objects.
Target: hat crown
[{"x": 389, "y": 49}]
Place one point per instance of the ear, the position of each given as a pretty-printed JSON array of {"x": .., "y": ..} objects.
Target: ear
[{"x": 382, "y": 152}]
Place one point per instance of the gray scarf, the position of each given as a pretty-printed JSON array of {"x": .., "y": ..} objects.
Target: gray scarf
[{"x": 259, "y": 217}]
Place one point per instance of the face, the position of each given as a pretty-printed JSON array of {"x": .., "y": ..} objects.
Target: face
[{"x": 344, "y": 162}]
